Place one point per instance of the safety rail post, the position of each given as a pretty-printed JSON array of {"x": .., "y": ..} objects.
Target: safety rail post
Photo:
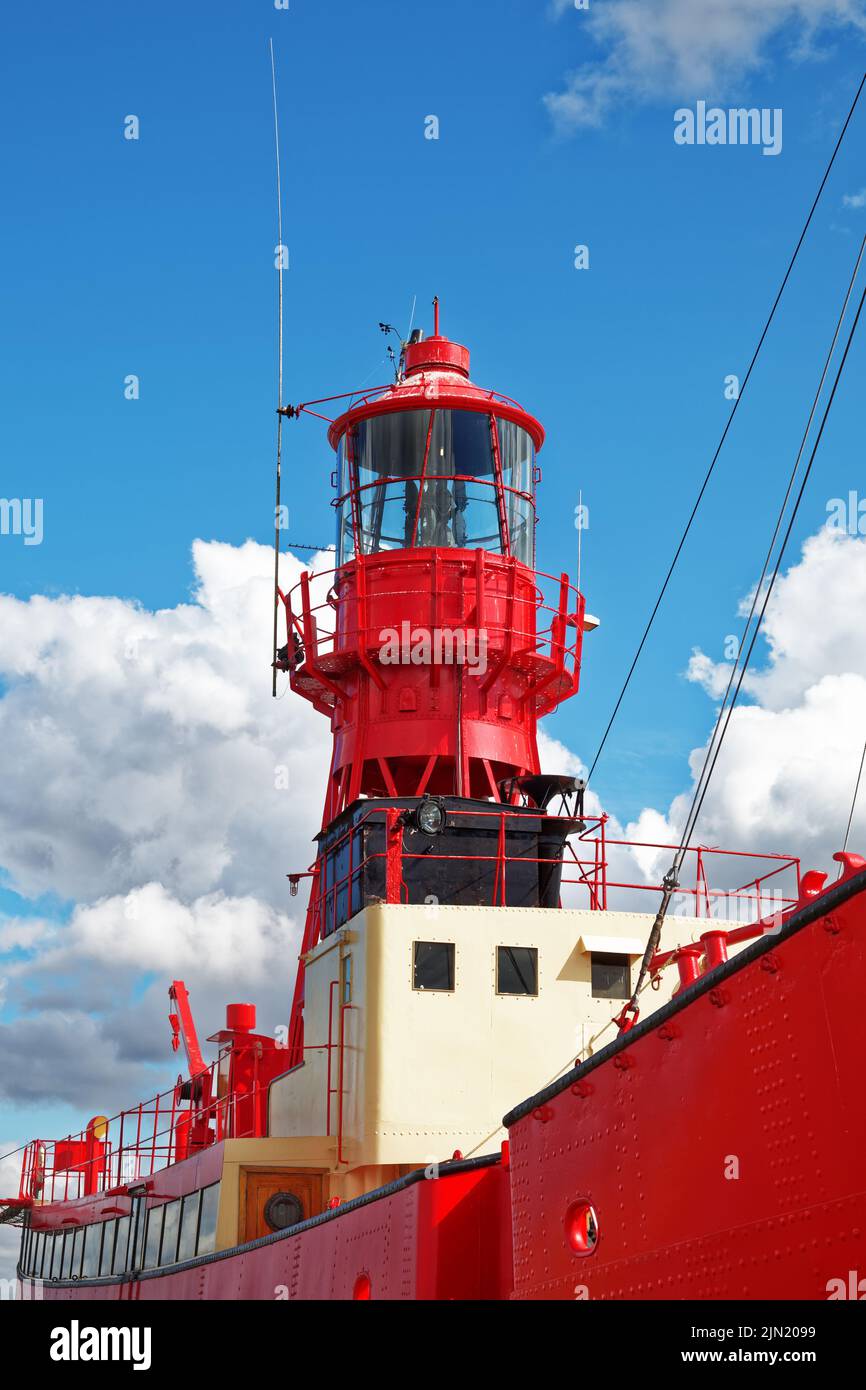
[
  {"x": 138, "y": 1142},
  {"x": 499, "y": 887},
  {"x": 120, "y": 1148},
  {"x": 155, "y": 1131},
  {"x": 394, "y": 855}
]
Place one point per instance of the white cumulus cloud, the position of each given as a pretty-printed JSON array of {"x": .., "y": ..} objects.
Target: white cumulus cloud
[
  {"x": 786, "y": 774},
  {"x": 682, "y": 49}
]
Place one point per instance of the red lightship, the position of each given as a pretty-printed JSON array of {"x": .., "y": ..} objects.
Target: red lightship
[{"x": 468, "y": 938}]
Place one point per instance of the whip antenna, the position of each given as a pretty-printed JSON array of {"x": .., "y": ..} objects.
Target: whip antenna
[{"x": 279, "y": 370}]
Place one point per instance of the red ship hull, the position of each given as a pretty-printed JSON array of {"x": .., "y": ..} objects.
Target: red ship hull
[{"x": 721, "y": 1146}]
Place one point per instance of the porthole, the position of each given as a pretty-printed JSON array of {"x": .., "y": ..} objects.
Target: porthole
[
  {"x": 581, "y": 1228},
  {"x": 283, "y": 1209}
]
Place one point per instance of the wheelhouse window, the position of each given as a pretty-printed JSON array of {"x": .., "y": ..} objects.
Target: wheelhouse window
[
  {"x": 516, "y": 970},
  {"x": 170, "y": 1233},
  {"x": 189, "y": 1226},
  {"x": 433, "y": 965},
  {"x": 120, "y": 1262},
  {"x": 92, "y": 1247},
  {"x": 146, "y": 1238},
  {"x": 611, "y": 975},
  {"x": 459, "y": 478},
  {"x": 153, "y": 1239},
  {"x": 210, "y": 1198},
  {"x": 109, "y": 1231}
]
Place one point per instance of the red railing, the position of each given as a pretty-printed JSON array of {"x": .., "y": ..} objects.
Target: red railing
[
  {"x": 110, "y": 1154},
  {"x": 748, "y": 898},
  {"x": 133, "y": 1144},
  {"x": 588, "y": 852},
  {"x": 314, "y": 625}
]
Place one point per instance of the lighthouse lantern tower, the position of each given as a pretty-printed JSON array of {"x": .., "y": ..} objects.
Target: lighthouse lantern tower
[{"x": 435, "y": 644}]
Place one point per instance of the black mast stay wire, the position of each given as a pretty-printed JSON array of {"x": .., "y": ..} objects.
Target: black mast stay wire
[
  {"x": 724, "y": 436},
  {"x": 719, "y": 731},
  {"x": 670, "y": 880},
  {"x": 853, "y": 804}
]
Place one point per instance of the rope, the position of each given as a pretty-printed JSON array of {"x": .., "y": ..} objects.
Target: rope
[{"x": 724, "y": 436}]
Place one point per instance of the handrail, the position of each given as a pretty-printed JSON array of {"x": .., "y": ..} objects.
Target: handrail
[
  {"x": 98, "y": 1165},
  {"x": 592, "y": 872},
  {"x": 302, "y": 617}
]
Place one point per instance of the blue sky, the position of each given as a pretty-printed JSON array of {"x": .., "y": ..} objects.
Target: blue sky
[{"x": 155, "y": 257}]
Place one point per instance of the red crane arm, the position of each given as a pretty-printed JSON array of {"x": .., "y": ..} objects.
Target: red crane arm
[{"x": 183, "y": 1027}]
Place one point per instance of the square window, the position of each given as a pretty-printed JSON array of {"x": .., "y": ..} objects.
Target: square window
[
  {"x": 433, "y": 965},
  {"x": 611, "y": 975},
  {"x": 516, "y": 970}
]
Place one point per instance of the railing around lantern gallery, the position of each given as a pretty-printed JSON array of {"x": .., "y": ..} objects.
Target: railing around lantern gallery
[
  {"x": 589, "y": 854},
  {"x": 316, "y": 646}
]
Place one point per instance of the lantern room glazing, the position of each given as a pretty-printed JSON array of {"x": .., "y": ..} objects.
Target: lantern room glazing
[{"x": 445, "y": 478}]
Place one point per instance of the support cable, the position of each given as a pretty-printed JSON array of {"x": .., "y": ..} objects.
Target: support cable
[
  {"x": 853, "y": 805},
  {"x": 725, "y": 431},
  {"x": 670, "y": 882}
]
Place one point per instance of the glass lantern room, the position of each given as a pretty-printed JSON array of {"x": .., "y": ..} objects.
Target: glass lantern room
[{"x": 447, "y": 478}]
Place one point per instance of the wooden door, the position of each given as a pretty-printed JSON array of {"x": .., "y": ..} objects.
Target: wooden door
[{"x": 272, "y": 1198}]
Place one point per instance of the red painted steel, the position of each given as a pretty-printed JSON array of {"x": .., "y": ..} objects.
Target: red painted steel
[
  {"x": 443, "y": 1237},
  {"x": 752, "y": 1097},
  {"x": 389, "y": 718}
]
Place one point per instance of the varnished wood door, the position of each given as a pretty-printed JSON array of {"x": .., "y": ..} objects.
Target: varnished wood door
[{"x": 260, "y": 1185}]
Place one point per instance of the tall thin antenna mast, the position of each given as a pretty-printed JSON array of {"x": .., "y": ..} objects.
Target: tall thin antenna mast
[{"x": 279, "y": 371}]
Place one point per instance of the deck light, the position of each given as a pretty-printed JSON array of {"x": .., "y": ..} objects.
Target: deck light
[{"x": 430, "y": 816}]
